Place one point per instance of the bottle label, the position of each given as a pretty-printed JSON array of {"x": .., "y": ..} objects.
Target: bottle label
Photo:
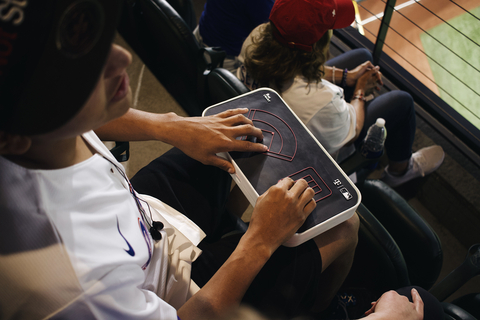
[{"x": 370, "y": 154}]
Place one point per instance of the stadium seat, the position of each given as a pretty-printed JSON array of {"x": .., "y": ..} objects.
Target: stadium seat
[
  {"x": 164, "y": 42},
  {"x": 467, "y": 306},
  {"x": 378, "y": 264},
  {"x": 420, "y": 249},
  {"x": 223, "y": 85},
  {"x": 186, "y": 10},
  {"x": 408, "y": 229}
]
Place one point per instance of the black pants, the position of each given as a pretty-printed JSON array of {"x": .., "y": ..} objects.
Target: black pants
[
  {"x": 432, "y": 308},
  {"x": 396, "y": 107},
  {"x": 287, "y": 285}
]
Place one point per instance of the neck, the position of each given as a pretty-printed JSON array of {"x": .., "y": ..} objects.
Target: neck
[{"x": 54, "y": 154}]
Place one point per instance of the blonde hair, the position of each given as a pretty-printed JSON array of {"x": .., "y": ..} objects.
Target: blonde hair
[{"x": 269, "y": 62}]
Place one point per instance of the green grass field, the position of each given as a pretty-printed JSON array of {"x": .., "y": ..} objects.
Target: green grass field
[{"x": 463, "y": 97}]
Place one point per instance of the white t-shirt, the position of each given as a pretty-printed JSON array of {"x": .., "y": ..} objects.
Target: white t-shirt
[
  {"x": 75, "y": 245},
  {"x": 321, "y": 106}
]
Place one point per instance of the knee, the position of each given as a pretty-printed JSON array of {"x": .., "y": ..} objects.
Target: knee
[
  {"x": 354, "y": 226},
  {"x": 349, "y": 231},
  {"x": 407, "y": 104},
  {"x": 404, "y": 99},
  {"x": 399, "y": 104},
  {"x": 339, "y": 240},
  {"x": 363, "y": 54}
]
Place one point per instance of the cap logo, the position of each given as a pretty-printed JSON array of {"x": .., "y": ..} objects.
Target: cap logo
[
  {"x": 80, "y": 28},
  {"x": 6, "y": 47},
  {"x": 12, "y": 9},
  {"x": 333, "y": 13}
]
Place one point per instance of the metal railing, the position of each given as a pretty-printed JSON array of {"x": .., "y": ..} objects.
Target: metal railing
[{"x": 398, "y": 32}]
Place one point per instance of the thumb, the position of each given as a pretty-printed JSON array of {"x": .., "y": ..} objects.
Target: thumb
[
  {"x": 223, "y": 164},
  {"x": 417, "y": 301}
]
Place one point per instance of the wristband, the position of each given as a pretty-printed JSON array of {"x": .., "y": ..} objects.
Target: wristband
[
  {"x": 344, "y": 78},
  {"x": 359, "y": 97}
]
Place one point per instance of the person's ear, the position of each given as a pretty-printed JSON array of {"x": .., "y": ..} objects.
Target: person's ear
[{"x": 14, "y": 144}]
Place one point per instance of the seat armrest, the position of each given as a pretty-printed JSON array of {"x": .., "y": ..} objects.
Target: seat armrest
[
  {"x": 458, "y": 277},
  {"x": 121, "y": 151},
  {"x": 214, "y": 57},
  {"x": 455, "y": 312}
]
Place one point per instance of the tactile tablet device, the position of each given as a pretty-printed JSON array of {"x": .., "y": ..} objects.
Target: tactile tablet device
[{"x": 292, "y": 152}]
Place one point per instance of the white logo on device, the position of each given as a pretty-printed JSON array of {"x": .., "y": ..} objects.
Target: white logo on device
[
  {"x": 346, "y": 194},
  {"x": 267, "y": 97}
]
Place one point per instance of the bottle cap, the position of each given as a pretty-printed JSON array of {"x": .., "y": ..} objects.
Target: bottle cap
[{"x": 380, "y": 122}]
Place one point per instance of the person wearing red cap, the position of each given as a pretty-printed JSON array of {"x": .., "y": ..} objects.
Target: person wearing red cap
[{"x": 289, "y": 54}]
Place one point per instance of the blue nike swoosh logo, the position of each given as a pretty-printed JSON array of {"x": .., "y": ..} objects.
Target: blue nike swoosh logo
[{"x": 130, "y": 250}]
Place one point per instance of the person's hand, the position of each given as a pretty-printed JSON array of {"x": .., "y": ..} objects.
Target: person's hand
[
  {"x": 201, "y": 138},
  {"x": 280, "y": 211},
  {"x": 354, "y": 74},
  {"x": 370, "y": 80},
  {"x": 393, "y": 306}
]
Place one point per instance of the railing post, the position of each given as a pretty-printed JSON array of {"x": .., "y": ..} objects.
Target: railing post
[{"x": 382, "y": 31}]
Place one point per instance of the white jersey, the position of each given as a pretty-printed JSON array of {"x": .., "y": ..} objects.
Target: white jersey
[
  {"x": 321, "y": 106},
  {"x": 74, "y": 244}
]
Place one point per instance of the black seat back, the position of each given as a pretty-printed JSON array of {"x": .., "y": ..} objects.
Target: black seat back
[
  {"x": 161, "y": 38},
  {"x": 186, "y": 10},
  {"x": 223, "y": 85},
  {"x": 378, "y": 264}
]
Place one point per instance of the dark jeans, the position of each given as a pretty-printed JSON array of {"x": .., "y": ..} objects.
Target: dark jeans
[{"x": 396, "y": 107}]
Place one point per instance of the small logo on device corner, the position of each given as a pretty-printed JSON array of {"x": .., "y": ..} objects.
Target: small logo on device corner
[
  {"x": 346, "y": 194},
  {"x": 267, "y": 97}
]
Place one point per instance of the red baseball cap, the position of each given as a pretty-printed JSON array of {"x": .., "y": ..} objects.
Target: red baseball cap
[{"x": 301, "y": 23}]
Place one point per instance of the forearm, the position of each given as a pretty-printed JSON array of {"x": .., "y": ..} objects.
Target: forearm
[
  {"x": 389, "y": 316},
  {"x": 227, "y": 287},
  {"x": 376, "y": 316},
  {"x": 137, "y": 125},
  {"x": 350, "y": 77},
  {"x": 329, "y": 74},
  {"x": 359, "y": 106},
  {"x": 288, "y": 203}
]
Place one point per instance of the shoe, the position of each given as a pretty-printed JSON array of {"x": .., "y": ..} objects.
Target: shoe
[
  {"x": 349, "y": 303},
  {"x": 422, "y": 162}
]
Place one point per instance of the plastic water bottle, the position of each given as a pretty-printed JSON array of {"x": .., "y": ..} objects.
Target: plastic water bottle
[{"x": 374, "y": 141}]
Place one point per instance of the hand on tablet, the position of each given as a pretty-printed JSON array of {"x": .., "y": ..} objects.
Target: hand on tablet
[{"x": 281, "y": 211}]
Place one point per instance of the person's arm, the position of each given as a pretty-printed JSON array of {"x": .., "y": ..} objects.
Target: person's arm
[
  {"x": 329, "y": 74},
  {"x": 199, "y": 137},
  {"x": 365, "y": 83},
  {"x": 392, "y": 306},
  {"x": 352, "y": 75},
  {"x": 278, "y": 213}
]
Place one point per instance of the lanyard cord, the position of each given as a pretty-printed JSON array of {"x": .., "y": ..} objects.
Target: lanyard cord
[{"x": 154, "y": 227}]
